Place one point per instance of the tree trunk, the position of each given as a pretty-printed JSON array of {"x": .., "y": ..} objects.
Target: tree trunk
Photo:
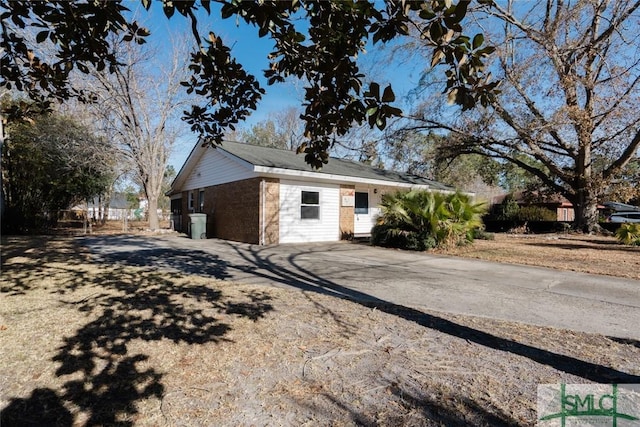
[
  {"x": 100, "y": 209},
  {"x": 586, "y": 212},
  {"x": 586, "y": 203},
  {"x": 152, "y": 206},
  {"x": 107, "y": 202}
]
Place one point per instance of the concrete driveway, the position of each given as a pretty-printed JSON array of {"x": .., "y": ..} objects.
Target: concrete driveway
[{"x": 387, "y": 277}]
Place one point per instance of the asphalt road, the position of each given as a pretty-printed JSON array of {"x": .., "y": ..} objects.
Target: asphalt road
[{"x": 377, "y": 276}]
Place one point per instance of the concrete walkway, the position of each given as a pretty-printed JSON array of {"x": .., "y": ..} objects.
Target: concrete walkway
[{"x": 538, "y": 296}]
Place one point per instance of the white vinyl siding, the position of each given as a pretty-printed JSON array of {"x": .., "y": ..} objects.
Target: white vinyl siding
[
  {"x": 215, "y": 168},
  {"x": 295, "y": 229}
]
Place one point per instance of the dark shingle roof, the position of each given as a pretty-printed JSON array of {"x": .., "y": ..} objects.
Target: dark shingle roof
[
  {"x": 285, "y": 159},
  {"x": 117, "y": 201}
]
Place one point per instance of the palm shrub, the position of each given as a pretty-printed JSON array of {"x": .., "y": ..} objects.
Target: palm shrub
[
  {"x": 420, "y": 220},
  {"x": 629, "y": 234}
]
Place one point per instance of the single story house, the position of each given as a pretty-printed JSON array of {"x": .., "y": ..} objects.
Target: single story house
[
  {"x": 265, "y": 196},
  {"x": 118, "y": 208}
]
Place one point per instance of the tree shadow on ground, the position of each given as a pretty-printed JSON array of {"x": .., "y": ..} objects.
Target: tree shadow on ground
[
  {"x": 415, "y": 407},
  {"x": 260, "y": 263},
  {"x": 627, "y": 341},
  {"x": 144, "y": 252},
  {"x": 457, "y": 411},
  {"x": 30, "y": 255},
  {"x": 104, "y": 378},
  {"x": 297, "y": 276},
  {"x": 406, "y": 406}
]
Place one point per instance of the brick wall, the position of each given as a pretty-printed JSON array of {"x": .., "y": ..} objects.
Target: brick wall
[
  {"x": 347, "y": 213},
  {"x": 233, "y": 211},
  {"x": 185, "y": 212}
]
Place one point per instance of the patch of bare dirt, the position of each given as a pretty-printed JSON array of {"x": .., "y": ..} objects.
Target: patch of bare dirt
[
  {"x": 574, "y": 252},
  {"x": 90, "y": 344}
]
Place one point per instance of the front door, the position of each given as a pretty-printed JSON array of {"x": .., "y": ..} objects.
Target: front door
[{"x": 362, "y": 223}]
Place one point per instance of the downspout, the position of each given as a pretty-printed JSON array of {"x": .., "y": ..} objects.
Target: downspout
[{"x": 263, "y": 214}]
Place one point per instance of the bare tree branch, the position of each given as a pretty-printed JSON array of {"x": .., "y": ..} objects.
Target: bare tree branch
[
  {"x": 570, "y": 75},
  {"x": 139, "y": 105}
]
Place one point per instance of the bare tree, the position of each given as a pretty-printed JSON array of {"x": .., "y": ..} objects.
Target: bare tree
[
  {"x": 138, "y": 106},
  {"x": 568, "y": 109},
  {"x": 283, "y": 129},
  {"x": 291, "y": 127}
]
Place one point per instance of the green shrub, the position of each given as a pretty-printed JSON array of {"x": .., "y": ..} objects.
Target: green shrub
[
  {"x": 536, "y": 213},
  {"x": 384, "y": 235},
  {"x": 507, "y": 210},
  {"x": 629, "y": 234},
  {"x": 420, "y": 220},
  {"x": 480, "y": 234}
]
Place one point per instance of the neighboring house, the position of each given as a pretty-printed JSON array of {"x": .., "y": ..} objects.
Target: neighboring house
[
  {"x": 621, "y": 207},
  {"x": 119, "y": 208},
  {"x": 264, "y": 195},
  {"x": 555, "y": 202}
]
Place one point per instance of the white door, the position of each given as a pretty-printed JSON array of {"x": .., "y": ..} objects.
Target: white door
[
  {"x": 362, "y": 222},
  {"x": 367, "y": 209}
]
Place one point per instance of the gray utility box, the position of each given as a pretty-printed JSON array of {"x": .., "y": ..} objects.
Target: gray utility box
[{"x": 198, "y": 225}]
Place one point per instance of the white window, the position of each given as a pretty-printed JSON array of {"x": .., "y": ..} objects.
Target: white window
[
  {"x": 191, "y": 197},
  {"x": 362, "y": 203},
  {"x": 310, "y": 205},
  {"x": 201, "y": 201}
]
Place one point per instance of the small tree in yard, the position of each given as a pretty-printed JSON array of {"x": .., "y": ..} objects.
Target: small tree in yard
[
  {"x": 507, "y": 210},
  {"x": 420, "y": 220},
  {"x": 49, "y": 163}
]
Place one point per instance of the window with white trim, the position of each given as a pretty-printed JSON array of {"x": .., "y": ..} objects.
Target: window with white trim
[
  {"x": 362, "y": 203},
  {"x": 201, "y": 201},
  {"x": 191, "y": 200},
  {"x": 310, "y": 205}
]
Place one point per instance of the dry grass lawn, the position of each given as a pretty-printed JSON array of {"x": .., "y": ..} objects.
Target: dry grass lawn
[
  {"x": 89, "y": 344},
  {"x": 574, "y": 252}
]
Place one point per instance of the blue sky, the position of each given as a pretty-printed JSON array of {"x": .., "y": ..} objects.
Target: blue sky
[
  {"x": 251, "y": 51},
  {"x": 248, "y": 49}
]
